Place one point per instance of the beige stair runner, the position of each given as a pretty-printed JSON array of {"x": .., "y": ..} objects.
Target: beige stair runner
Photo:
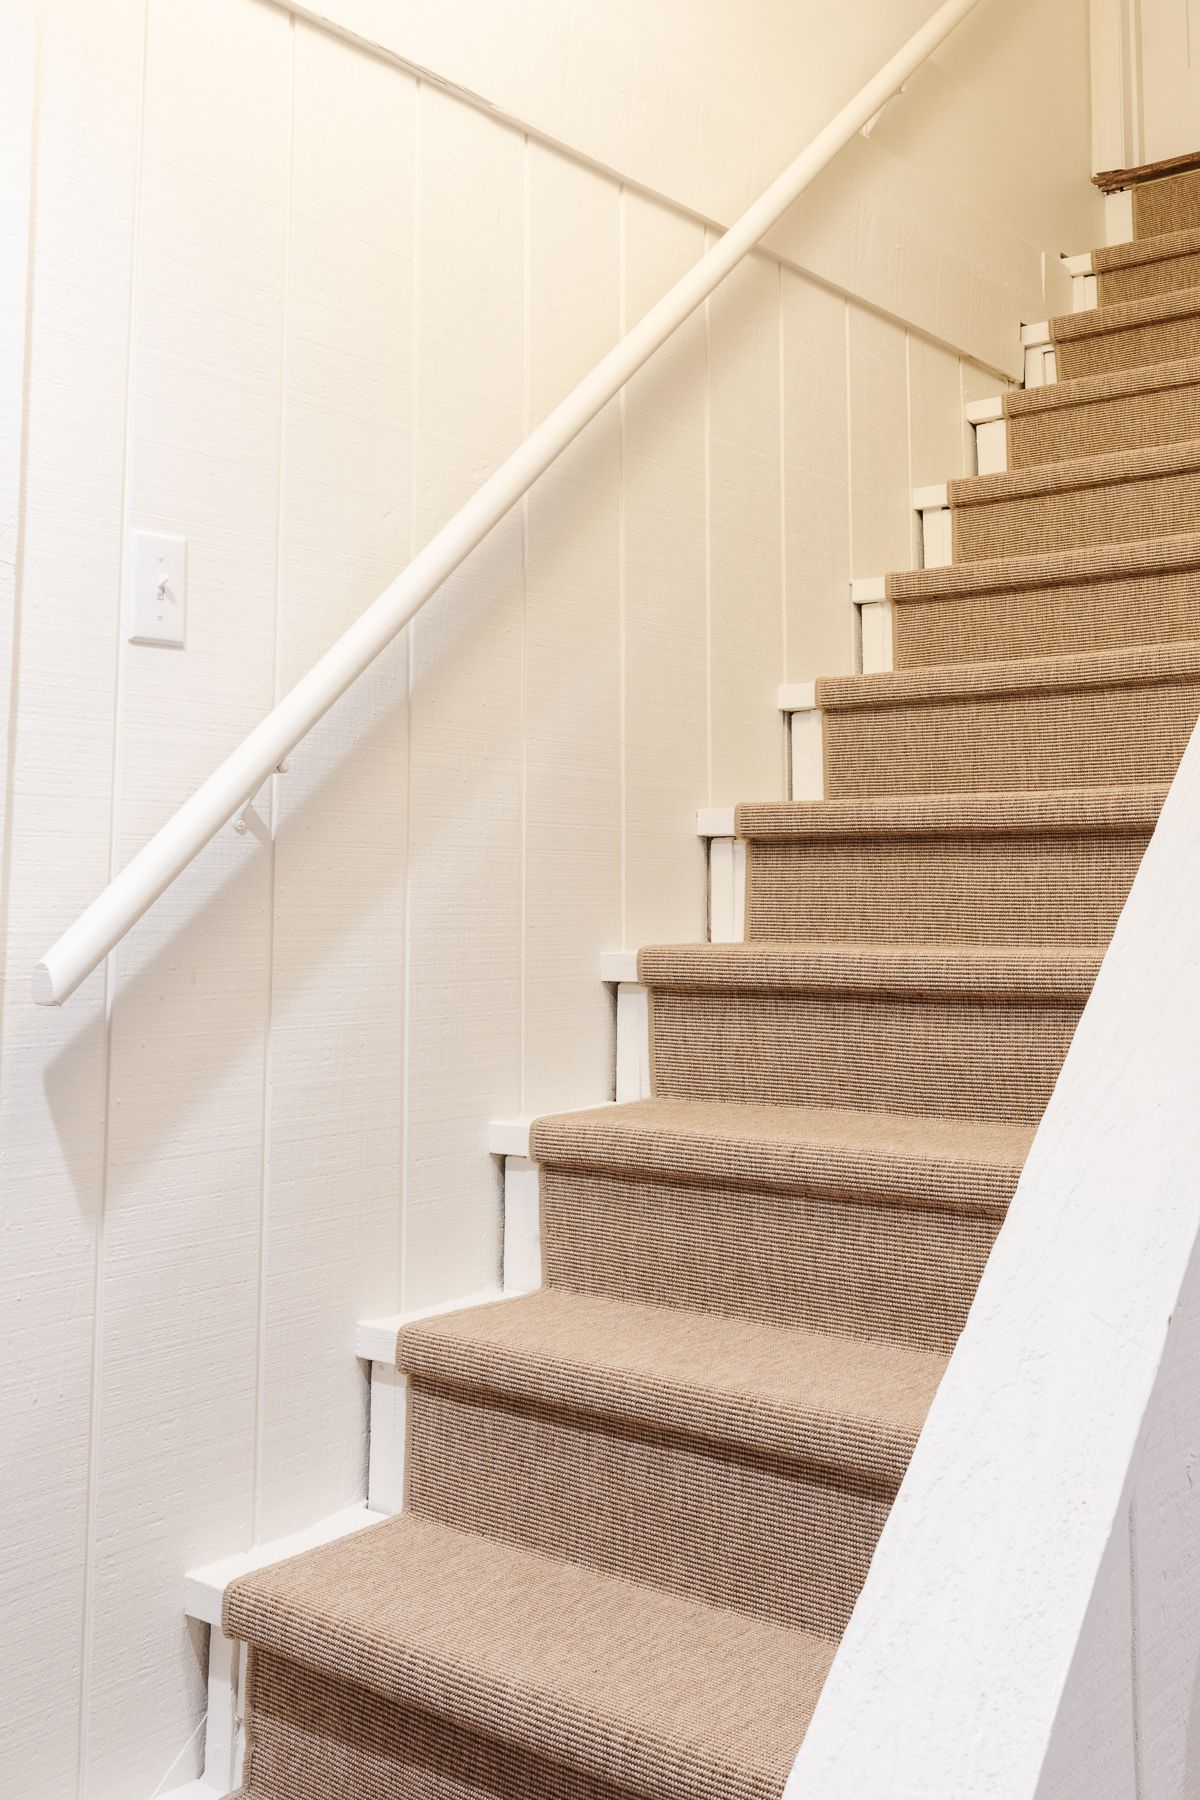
[{"x": 642, "y": 1501}]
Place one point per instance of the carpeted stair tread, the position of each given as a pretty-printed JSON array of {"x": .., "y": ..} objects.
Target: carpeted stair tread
[
  {"x": 1162, "y": 248},
  {"x": 1061, "y": 602},
  {"x": 1065, "y": 810},
  {"x": 1080, "y": 565},
  {"x": 1091, "y": 669},
  {"x": 1090, "y": 390},
  {"x": 1092, "y": 415},
  {"x": 1108, "y": 470},
  {"x": 1126, "y": 315},
  {"x": 816, "y": 1399},
  {"x": 818, "y": 1150},
  {"x": 1129, "y": 334},
  {"x": 1168, "y": 203},
  {"x": 903, "y": 970},
  {"x": 646, "y": 1692},
  {"x": 1116, "y": 497}
]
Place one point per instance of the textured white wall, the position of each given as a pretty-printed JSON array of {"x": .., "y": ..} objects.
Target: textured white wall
[
  {"x": 941, "y": 216},
  {"x": 291, "y": 301}
]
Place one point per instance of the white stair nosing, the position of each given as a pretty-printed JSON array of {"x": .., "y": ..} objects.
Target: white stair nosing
[
  {"x": 1079, "y": 265},
  {"x": 204, "y": 1588},
  {"x": 714, "y": 822},
  {"x": 985, "y": 412},
  {"x": 375, "y": 1339},
  {"x": 618, "y": 966},
  {"x": 510, "y": 1137},
  {"x": 1035, "y": 337},
  {"x": 798, "y": 696},
  {"x": 868, "y": 589},
  {"x": 931, "y": 499}
]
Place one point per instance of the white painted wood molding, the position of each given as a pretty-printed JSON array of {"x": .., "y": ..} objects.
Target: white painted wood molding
[
  {"x": 726, "y": 890},
  {"x": 806, "y": 752},
  {"x": 204, "y": 1587},
  {"x": 203, "y": 1594},
  {"x": 715, "y": 822},
  {"x": 1055, "y": 1654},
  {"x": 991, "y": 434},
  {"x": 1038, "y": 350},
  {"x": 633, "y": 1042},
  {"x": 1118, "y": 216},
  {"x": 522, "y": 1226},
  {"x": 869, "y": 596},
  {"x": 937, "y": 541},
  {"x": 618, "y": 966},
  {"x": 1083, "y": 281}
]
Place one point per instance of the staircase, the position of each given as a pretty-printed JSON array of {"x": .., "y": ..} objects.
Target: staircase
[{"x": 643, "y": 1500}]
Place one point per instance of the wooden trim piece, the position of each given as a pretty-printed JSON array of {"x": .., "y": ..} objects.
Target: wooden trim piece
[{"x": 1109, "y": 180}]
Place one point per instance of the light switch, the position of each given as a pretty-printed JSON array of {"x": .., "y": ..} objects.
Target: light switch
[{"x": 156, "y": 589}]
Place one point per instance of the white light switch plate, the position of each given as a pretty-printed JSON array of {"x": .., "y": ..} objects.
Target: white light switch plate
[{"x": 156, "y": 589}]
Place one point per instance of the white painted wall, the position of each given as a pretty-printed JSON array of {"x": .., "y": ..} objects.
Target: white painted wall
[
  {"x": 1030, "y": 1628},
  {"x": 281, "y": 296},
  {"x": 942, "y": 216}
]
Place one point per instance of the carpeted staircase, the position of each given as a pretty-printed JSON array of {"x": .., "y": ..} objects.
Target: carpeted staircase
[{"x": 642, "y": 1501}]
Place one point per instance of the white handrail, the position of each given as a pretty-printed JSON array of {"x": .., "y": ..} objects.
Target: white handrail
[{"x": 85, "y": 944}]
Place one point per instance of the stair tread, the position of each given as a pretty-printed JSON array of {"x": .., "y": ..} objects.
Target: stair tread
[
  {"x": 629, "y": 1684},
  {"x": 914, "y": 970},
  {"x": 1110, "y": 468},
  {"x": 1145, "y": 250},
  {"x": 814, "y": 1149},
  {"x": 1084, "y": 390},
  {"x": 1100, "y": 809},
  {"x": 1046, "y": 568},
  {"x": 817, "y": 1399},
  {"x": 1089, "y": 668},
  {"x": 1125, "y": 315}
]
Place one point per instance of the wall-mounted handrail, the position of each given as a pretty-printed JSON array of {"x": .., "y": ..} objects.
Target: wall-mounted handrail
[{"x": 85, "y": 944}]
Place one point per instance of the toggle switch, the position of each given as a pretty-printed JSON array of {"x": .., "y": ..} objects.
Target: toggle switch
[{"x": 156, "y": 589}]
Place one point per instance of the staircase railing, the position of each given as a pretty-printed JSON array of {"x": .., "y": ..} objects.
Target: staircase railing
[{"x": 85, "y": 944}]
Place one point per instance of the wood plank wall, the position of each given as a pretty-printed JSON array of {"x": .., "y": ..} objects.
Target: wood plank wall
[{"x": 293, "y": 304}]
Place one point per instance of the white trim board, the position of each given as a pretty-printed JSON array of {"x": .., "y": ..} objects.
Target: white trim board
[
  {"x": 204, "y": 1587},
  {"x": 1021, "y": 1477}
]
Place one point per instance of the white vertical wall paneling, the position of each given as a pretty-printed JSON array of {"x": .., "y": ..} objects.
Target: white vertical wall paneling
[
  {"x": 880, "y": 484},
  {"x": 745, "y": 535},
  {"x": 665, "y": 579},
  {"x": 816, "y": 477},
  {"x": 572, "y": 824},
  {"x": 332, "y": 1170},
  {"x": 174, "y": 1415},
  {"x": 52, "y": 1080},
  {"x": 935, "y": 413},
  {"x": 465, "y": 868},
  {"x": 18, "y": 61}
]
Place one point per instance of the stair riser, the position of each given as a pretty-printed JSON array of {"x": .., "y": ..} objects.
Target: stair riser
[
  {"x": 315, "y": 1738},
  {"x": 1140, "y": 280},
  {"x": 710, "y": 1521},
  {"x": 1048, "y": 621},
  {"x": 1129, "y": 422},
  {"x": 1171, "y": 203},
  {"x": 782, "y": 1258},
  {"x": 966, "y": 1058},
  {"x": 1104, "y": 352},
  {"x": 1084, "y": 737},
  {"x": 1120, "y": 512},
  {"x": 1037, "y": 889}
]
